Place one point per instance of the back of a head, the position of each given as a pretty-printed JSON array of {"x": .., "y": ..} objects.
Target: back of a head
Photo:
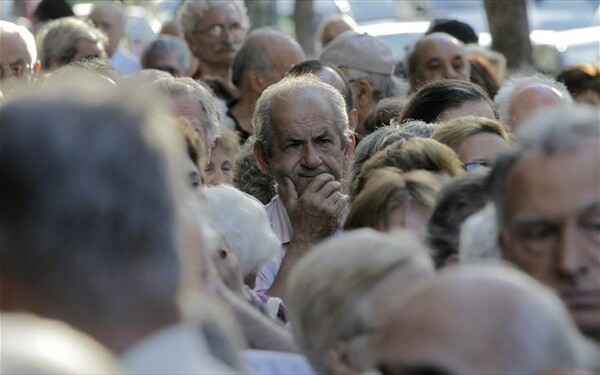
[
  {"x": 258, "y": 53},
  {"x": 248, "y": 178},
  {"x": 371, "y": 144},
  {"x": 411, "y": 154},
  {"x": 530, "y": 327},
  {"x": 510, "y": 89},
  {"x": 460, "y": 198},
  {"x": 581, "y": 79},
  {"x": 458, "y": 29},
  {"x": 179, "y": 87},
  {"x": 38, "y": 346},
  {"x": 87, "y": 202},
  {"x": 165, "y": 45},
  {"x": 386, "y": 190},
  {"x": 334, "y": 288},
  {"x": 432, "y": 99},
  {"x": 242, "y": 220}
]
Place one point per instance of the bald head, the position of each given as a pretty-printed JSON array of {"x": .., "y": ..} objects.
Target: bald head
[
  {"x": 269, "y": 54},
  {"x": 436, "y": 56},
  {"x": 110, "y": 17},
  {"x": 483, "y": 319},
  {"x": 530, "y": 99}
]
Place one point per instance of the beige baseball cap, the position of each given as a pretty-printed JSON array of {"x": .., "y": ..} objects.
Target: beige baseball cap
[{"x": 359, "y": 51}]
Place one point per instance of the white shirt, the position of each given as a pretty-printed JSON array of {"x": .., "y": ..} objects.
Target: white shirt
[
  {"x": 177, "y": 349},
  {"x": 124, "y": 62}
]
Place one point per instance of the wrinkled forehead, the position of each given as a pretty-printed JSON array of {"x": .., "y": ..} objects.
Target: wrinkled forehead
[{"x": 440, "y": 45}]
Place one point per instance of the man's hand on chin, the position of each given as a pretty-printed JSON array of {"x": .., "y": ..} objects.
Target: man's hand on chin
[{"x": 315, "y": 212}]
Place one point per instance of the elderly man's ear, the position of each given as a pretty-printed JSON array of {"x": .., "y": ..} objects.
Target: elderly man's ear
[
  {"x": 364, "y": 93},
  {"x": 353, "y": 119},
  {"x": 261, "y": 158}
]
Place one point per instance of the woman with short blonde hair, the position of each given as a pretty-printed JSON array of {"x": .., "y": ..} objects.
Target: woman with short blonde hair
[{"x": 392, "y": 199}]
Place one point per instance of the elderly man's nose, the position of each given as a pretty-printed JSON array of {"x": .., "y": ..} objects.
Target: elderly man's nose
[{"x": 311, "y": 157}]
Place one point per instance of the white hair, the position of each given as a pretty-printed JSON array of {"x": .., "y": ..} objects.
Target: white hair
[
  {"x": 243, "y": 221},
  {"x": 515, "y": 85},
  {"x": 339, "y": 288},
  {"x": 479, "y": 237},
  {"x": 26, "y": 36},
  {"x": 191, "y": 12}
]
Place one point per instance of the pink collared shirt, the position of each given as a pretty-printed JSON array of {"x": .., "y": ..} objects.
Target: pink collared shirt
[{"x": 282, "y": 227}]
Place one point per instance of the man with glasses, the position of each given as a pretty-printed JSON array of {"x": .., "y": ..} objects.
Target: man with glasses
[
  {"x": 214, "y": 31},
  {"x": 18, "y": 55}
]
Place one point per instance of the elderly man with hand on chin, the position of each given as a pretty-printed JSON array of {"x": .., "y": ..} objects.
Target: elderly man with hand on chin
[{"x": 303, "y": 141}]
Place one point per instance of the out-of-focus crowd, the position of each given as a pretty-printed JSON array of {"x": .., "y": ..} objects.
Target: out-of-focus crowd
[{"x": 224, "y": 204}]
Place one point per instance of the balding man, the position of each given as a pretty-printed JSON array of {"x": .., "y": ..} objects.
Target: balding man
[
  {"x": 436, "y": 56},
  {"x": 169, "y": 54},
  {"x": 18, "y": 55},
  {"x": 546, "y": 194},
  {"x": 482, "y": 320},
  {"x": 264, "y": 58},
  {"x": 519, "y": 98},
  {"x": 110, "y": 17},
  {"x": 303, "y": 141}
]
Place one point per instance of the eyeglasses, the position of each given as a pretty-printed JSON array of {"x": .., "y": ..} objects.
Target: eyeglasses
[
  {"x": 16, "y": 69},
  {"x": 474, "y": 164},
  {"x": 218, "y": 30}
]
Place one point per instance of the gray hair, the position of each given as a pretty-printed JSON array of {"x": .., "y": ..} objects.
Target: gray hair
[
  {"x": 252, "y": 55},
  {"x": 192, "y": 11},
  {"x": 284, "y": 90},
  {"x": 334, "y": 289},
  {"x": 383, "y": 85},
  {"x": 177, "y": 86},
  {"x": 541, "y": 335},
  {"x": 86, "y": 235},
  {"x": 383, "y": 137},
  {"x": 25, "y": 35},
  {"x": 243, "y": 221},
  {"x": 555, "y": 130},
  {"x": 514, "y": 85},
  {"x": 167, "y": 44},
  {"x": 58, "y": 39},
  {"x": 478, "y": 240}
]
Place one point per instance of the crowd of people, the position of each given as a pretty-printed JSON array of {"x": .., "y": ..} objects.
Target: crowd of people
[{"x": 224, "y": 203}]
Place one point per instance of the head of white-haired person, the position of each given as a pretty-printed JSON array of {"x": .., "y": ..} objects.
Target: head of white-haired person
[
  {"x": 339, "y": 292},
  {"x": 18, "y": 55},
  {"x": 241, "y": 218},
  {"x": 478, "y": 237},
  {"x": 194, "y": 101},
  {"x": 520, "y": 97},
  {"x": 482, "y": 319}
]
